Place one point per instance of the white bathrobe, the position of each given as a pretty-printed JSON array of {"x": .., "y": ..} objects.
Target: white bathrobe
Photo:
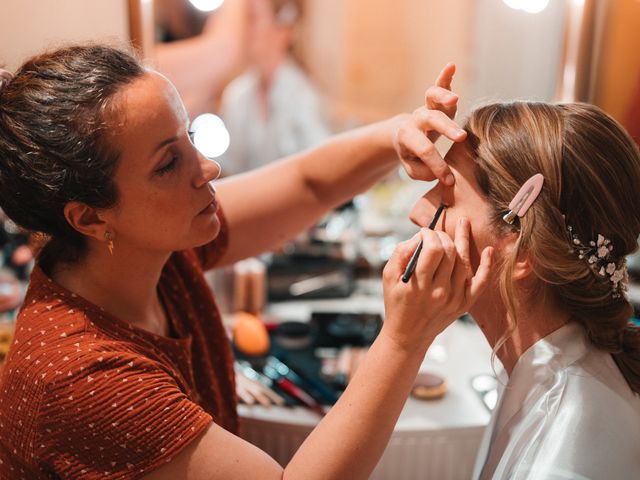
[
  {"x": 566, "y": 412},
  {"x": 295, "y": 122}
]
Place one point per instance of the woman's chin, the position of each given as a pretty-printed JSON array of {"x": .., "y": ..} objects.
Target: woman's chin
[{"x": 211, "y": 231}]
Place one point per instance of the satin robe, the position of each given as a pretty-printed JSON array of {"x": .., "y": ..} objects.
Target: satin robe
[{"x": 566, "y": 412}]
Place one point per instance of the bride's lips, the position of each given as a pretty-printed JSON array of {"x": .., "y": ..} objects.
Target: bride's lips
[{"x": 212, "y": 207}]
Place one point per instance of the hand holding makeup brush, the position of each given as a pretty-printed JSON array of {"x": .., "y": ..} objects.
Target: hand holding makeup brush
[{"x": 442, "y": 288}]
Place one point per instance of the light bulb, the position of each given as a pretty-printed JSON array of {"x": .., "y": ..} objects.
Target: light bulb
[
  {"x": 206, "y": 5},
  {"x": 529, "y": 6},
  {"x": 210, "y": 136}
]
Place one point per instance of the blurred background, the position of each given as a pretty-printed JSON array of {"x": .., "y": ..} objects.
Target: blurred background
[
  {"x": 371, "y": 58},
  {"x": 263, "y": 79}
]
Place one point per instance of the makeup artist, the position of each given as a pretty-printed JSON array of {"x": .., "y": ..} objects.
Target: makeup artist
[{"x": 120, "y": 366}]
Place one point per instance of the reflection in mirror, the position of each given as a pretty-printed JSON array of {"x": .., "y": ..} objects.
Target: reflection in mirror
[{"x": 370, "y": 59}]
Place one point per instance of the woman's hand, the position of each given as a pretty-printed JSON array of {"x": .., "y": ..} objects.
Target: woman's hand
[
  {"x": 442, "y": 288},
  {"x": 414, "y": 140}
]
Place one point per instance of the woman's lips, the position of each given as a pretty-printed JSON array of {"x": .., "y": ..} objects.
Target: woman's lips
[{"x": 211, "y": 208}]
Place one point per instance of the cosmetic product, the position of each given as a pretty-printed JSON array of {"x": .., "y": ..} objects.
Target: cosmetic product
[
  {"x": 263, "y": 383},
  {"x": 293, "y": 390},
  {"x": 356, "y": 360},
  {"x": 250, "y": 287},
  {"x": 293, "y": 335},
  {"x": 329, "y": 369},
  {"x": 429, "y": 386},
  {"x": 316, "y": 388},
  {"x": 336, "y": 329},
  {"x": 411, "y": 266},
  {"x": 250, "y": 336},
  {"x": 344, "y": 366},
  {"x": 246, "y": 368}
]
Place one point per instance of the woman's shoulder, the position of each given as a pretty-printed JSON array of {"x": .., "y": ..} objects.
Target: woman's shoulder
[{"x": 83, "y": 390}]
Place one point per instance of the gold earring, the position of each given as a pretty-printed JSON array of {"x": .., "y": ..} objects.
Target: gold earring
[{"x": 109, "y": 237}]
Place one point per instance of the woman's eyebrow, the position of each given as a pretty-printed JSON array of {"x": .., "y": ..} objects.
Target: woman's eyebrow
[{"x": 165, "y": 143}]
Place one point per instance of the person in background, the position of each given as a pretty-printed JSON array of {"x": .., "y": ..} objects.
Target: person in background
[
  {"x": 272, "y": 110},
  {"x": 201, "y": 53},
  {"x": 556, "y": 313},
  {"x": 120, "y": 366}
]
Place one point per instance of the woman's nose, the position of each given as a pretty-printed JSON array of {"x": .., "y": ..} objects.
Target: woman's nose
[
  {"x": 209, "y": 170},
  {"x": 425, "y": 207}
]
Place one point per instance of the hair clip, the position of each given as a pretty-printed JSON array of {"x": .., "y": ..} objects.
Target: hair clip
[{"x": 524, "y": 198}]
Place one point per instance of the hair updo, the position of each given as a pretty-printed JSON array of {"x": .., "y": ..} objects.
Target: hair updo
[
  {"x": 592, "y": 180},
  {"x": 53, "y": 140}
]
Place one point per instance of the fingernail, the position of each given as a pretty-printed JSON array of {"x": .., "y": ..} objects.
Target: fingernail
[
  {"x": 461, "y": 132},
  {"x": 449, "y": 180}
]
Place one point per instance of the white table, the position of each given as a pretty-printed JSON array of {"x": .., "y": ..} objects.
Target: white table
[{"x": 432, "y": 439}]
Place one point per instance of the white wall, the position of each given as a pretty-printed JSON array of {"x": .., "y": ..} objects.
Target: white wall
[
  {"x": 31, "y": 26},
  {"x": 516, "y": 55}
]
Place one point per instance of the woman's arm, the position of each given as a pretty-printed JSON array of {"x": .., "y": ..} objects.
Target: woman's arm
[
  {"x": 268, "y": 206},
  {"x": 200, "y": 67},
  {"x": 350, "y": 439}
]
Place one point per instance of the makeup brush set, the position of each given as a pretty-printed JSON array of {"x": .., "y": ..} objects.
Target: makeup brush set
[{"x": 297, "y": 365}]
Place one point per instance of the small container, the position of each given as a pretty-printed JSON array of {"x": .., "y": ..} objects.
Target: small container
[{"x": 293, "y": 335}]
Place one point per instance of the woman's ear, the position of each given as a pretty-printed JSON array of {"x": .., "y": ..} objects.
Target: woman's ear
[
  {"x": 85, "y": 219},
  {"x": 523, "y": 268}
]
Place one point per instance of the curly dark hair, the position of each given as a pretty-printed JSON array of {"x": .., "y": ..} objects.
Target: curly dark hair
[{"x": 54, "y": 142}]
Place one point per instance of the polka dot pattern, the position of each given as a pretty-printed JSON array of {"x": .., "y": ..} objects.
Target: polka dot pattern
[{"x": 85, "y": 395}]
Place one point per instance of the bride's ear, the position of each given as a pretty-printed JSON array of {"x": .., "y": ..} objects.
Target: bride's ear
[{"x": 523, "y": 267}]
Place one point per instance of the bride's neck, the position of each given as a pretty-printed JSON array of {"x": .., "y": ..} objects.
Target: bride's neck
[{"x": 535, "y": 318}]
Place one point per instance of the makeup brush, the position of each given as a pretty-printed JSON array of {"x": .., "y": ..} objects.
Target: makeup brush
[{"x": 411, "y": 266}]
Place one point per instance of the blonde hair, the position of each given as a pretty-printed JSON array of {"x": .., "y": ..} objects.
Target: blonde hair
[{"x": 592, "y": 180}]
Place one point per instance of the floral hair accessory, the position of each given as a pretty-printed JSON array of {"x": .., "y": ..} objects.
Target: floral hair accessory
[{"x": 599, "y": 256}]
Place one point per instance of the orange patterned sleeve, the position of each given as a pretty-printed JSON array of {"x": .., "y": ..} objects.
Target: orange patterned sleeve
[{"x": 114, "y": 415}]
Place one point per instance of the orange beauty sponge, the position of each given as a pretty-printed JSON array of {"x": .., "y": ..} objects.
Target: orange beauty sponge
[{"x": 250, "y": 336}]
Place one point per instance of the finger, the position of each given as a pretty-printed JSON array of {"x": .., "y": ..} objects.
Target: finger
[
  {"x": 442, "y": 277},
  {"x": 400, "y": 257},
  {"x": 434, "y": 120},
  {"x": 438, "y": 98},
  {"x": 414, "y": 148},
  {"x": 481, "y": 279},
  {"x": 430, "y": 257},
  {"x": 462, "y": 272},
  {"x": 463, "y": 229},
  {"x": 417, "y": 170},
  {"x": 446, "y": 76}
]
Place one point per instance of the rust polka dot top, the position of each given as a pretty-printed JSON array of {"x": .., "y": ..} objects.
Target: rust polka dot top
[{"x": 85, "y": 395}]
